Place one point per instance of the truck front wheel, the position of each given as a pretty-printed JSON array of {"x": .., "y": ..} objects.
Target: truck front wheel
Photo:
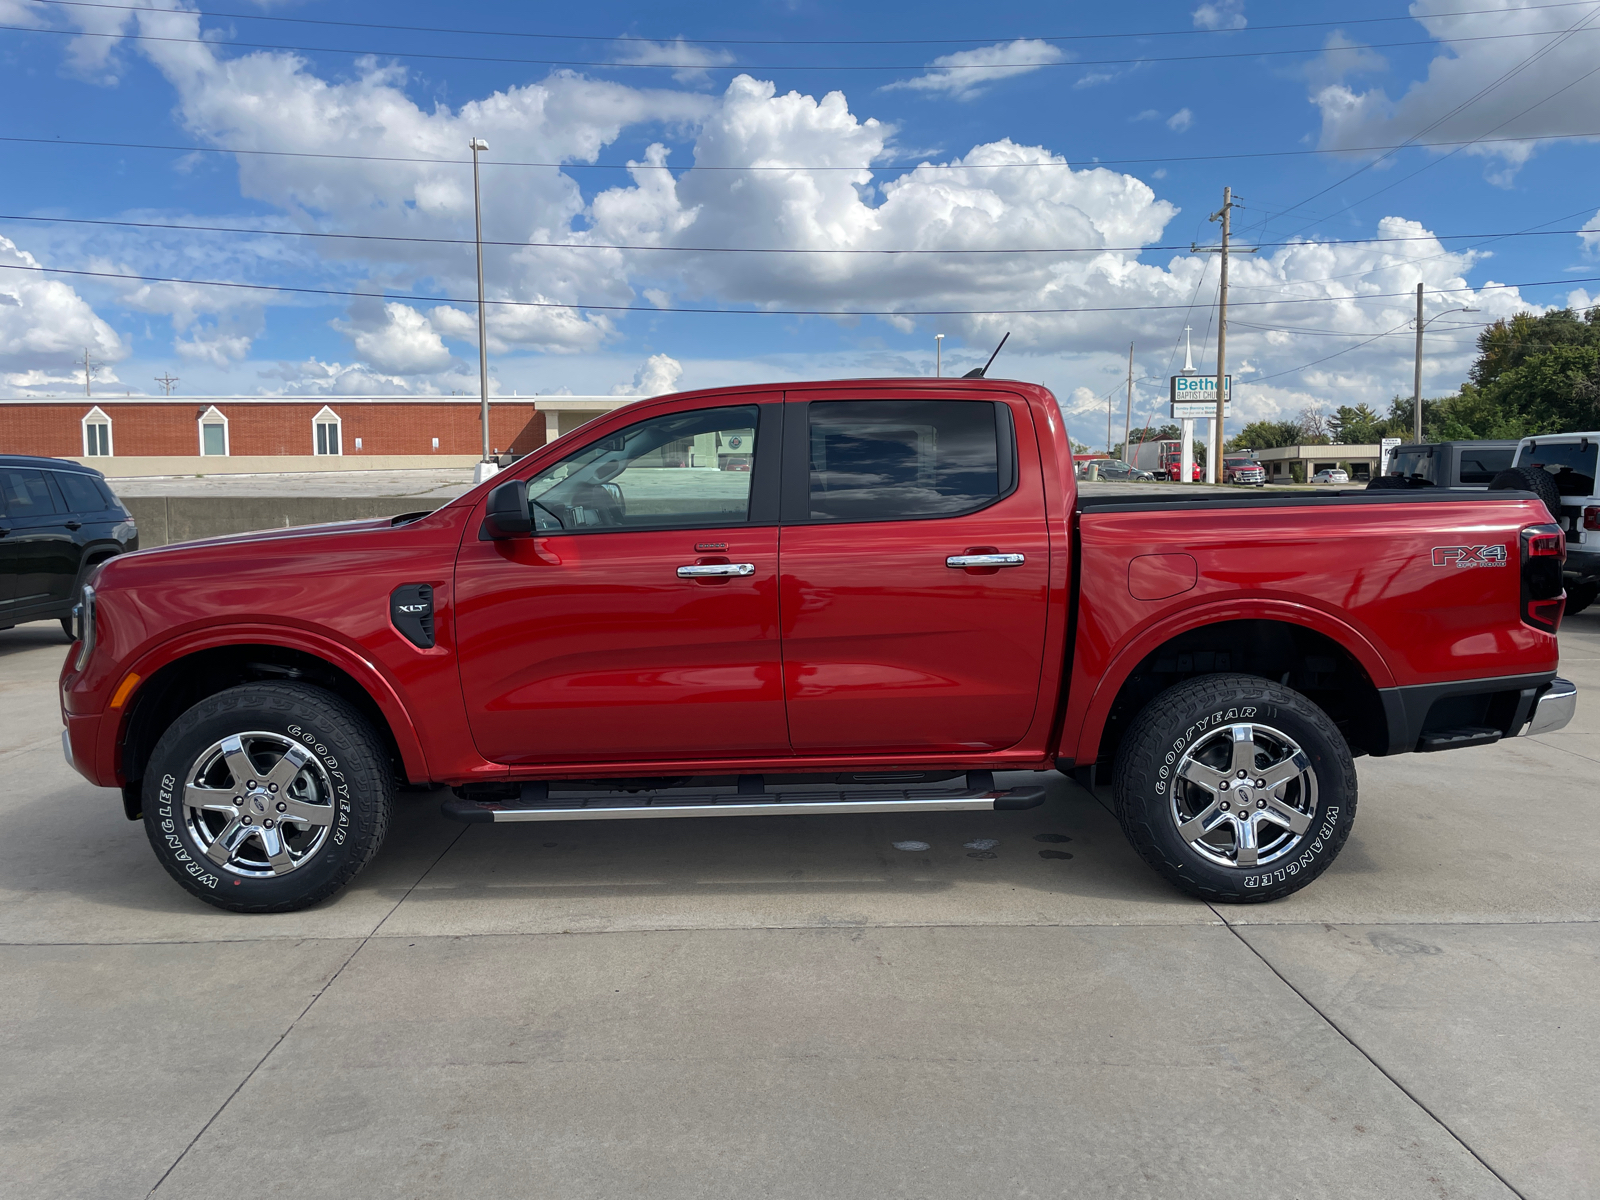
[
  {"x": 1235, "y": 788},
  {"x": 267, "y": 797}
]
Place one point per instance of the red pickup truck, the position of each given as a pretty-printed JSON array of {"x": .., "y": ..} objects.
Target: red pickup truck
[{"x": 863, "y": 596}]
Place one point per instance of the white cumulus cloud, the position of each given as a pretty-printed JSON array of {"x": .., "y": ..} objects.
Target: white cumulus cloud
[
  {"x": 44, "y": 323},
  {"x": 1220, "y": 14},
  {"x": 690, "y": 60},
  {"x": 1509, "y": 89},
  {"x": 656, "y": 376},
  {"x": 966, "y": 73},
  {"x": 396, "y": 340}
]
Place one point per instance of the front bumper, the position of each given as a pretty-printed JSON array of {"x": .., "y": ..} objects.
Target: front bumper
[{"x": 1553, "y": 709}]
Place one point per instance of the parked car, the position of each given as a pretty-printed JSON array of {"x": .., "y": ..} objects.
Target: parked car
[
  {"x": 1445, "y": 464},
  {"x": 1243, "y": 469},
  {"x": 1330, "y": 475},
  {"x": 1561, "y": 469},
  {"x": 907, "y": 590},
  {"x": 57, "y": 522},
  {"x": 1113, "y": 470}
]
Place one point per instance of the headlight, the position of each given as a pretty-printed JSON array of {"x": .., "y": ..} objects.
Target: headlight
[{"x": 83, "y": 627}]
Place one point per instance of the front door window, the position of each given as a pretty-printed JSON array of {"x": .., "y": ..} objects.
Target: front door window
[{"x": 685, "y": 470}]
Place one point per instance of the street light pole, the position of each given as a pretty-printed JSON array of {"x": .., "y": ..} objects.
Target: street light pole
[
  {"x": 485, "y": 469},
  {"x": 938, "y": 355},
  {"x": 1416, "y": 383},
  {"x": 1416, "y": 386}
]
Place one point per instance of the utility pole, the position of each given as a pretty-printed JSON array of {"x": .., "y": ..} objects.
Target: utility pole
[
  {"x": 938, "y": 355},
  {"x": 166, "y": 381},
  {"x": 1416, "y": 386},
  {"x": 1214, "y": 451},
  {"x": 89, "y": 364},
  {"x": 485, "y": 469},
  {"x": 1127, "y": 420}
]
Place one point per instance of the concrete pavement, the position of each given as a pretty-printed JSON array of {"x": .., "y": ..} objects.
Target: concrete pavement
[{"x": 792, "y": 1007}]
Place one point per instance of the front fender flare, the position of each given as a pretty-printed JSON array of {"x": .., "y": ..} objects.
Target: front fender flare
[{"x": 368, "y": 675}]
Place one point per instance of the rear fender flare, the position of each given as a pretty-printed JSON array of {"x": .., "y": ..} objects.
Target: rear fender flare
[
  {"x": 1287, "y": 612},
  {"x": 361, "y": 669}
]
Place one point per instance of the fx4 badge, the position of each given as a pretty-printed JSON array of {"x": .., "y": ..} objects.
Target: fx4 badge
[{"x": 1469, "y": 556}]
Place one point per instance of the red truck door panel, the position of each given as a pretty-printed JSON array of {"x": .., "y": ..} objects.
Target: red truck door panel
[
  {"x": 886, "y": 648},
  {"x": 585, "y": 643}
]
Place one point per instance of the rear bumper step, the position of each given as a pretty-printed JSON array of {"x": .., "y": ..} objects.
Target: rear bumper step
[{"x": 621, "y": 807}]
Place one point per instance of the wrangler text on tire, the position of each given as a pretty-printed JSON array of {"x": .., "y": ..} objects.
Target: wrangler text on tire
[
  {"x": 1235, "y": 788},
  {"x": 267, "y": 797}
]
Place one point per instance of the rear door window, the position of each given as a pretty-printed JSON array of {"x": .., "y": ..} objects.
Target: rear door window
[
  {"x": 80, "y": 493},
  {"x": 893, "y": 460}
]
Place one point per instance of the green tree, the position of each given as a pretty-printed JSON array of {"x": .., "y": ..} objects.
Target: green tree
[
  {"x": 1534, "y": 374},
  {"x": 1264, "y": 435},
  {"x": 1355, "y": 426}
]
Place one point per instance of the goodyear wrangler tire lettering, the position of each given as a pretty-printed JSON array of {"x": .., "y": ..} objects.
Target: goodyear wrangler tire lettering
[
  {"x": 335, "y": 805},
  {"x": 1179, "y": 763}
]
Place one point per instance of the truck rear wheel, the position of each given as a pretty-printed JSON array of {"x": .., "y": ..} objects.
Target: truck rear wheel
[
  {"x": 267, "y": 797},
  {"x": 1235, "y": 788}
]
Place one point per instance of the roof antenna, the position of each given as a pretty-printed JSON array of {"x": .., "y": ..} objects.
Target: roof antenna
[{"x": 979, "y": 372}]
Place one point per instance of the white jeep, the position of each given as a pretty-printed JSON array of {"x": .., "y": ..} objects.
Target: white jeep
[{"x": 1568, "y": 460}]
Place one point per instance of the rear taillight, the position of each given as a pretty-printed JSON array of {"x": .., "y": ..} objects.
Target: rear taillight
[
  {"x": 1591, "y": 517},
  {"x": 1544, "y": 554}
]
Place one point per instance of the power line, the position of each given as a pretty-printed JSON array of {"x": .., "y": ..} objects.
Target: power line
[
  {"x": 623, "y": 64},
  {"x": 626, "y": 38},
  {"x": 882, "y": 166},
  {"x": 1431, "y": 126},
  {"x": 774, "y": 312},
  {"x": 1011, "y": 250}
]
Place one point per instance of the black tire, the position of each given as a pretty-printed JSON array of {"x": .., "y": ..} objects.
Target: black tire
[
  {"x": 1530, "y": 479},
  {"x": 1190, "y": 721},
  {"x": 66, "y": 628},
  {"x": 1388, "y": 483},
  {"x": 334, "y": 768},
  {"x": 1581, "y": 595}
]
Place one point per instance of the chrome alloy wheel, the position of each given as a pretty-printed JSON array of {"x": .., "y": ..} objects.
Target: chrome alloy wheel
[
  {"x": 258, "y": 804},
  {"x": 1244, "y": 795}
]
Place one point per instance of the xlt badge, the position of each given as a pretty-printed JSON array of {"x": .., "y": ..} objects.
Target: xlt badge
[{"x": 411, "y": 611}]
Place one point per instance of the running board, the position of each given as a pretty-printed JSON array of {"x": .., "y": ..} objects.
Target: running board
[{"x": 620, "y": 807}]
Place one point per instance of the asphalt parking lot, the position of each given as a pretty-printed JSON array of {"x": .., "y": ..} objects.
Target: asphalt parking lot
[{"x": 790, "y": 1007}]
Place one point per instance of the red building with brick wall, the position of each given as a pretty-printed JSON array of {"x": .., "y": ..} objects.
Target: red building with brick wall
[{"x": 234, "y": 426}]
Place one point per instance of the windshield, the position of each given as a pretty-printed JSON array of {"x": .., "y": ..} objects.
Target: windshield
[
  {"x": 1412, "y": 461},
  {"x": 1571, "y": 463}
]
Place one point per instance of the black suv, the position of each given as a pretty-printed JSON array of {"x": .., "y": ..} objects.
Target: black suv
[{"x": 57, "y": 520}]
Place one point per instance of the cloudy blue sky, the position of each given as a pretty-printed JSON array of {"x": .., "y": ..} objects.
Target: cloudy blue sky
[{"x": 1049, "y": 165}]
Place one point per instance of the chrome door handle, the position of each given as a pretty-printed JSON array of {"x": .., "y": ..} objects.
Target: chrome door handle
[
  {"x": 958, "y": 561},
  {"x": 704, "y": 570}
]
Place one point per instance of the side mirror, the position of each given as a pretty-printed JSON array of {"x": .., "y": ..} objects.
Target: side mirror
[{"x": 506, "y": 514}]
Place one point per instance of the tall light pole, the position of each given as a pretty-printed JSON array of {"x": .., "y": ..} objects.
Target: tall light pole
[
  {"x": 1416, "y": 386},
  {"x": 484, "y": 469},
  {"x": 938, "y": 355},
  {"x": 1127, "y": 420}
]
